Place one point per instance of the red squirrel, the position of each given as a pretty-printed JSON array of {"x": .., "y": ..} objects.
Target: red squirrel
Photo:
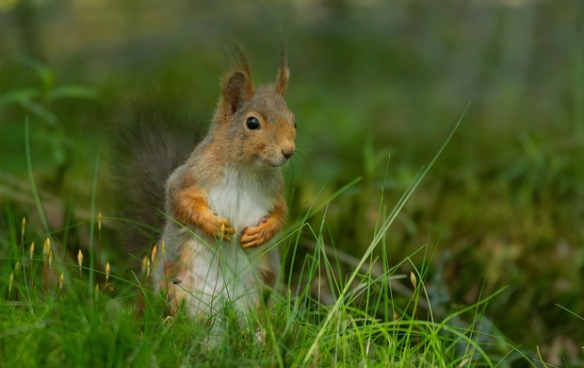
[{"x": 225, "y": 203}]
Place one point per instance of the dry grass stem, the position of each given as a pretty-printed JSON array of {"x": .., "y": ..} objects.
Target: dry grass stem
[
  {"x": 99, "y": 239},
  {"x": 22, "y": 230}
]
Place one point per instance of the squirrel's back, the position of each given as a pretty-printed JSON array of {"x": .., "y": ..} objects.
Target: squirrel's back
[{"x": 153, "y": 139}]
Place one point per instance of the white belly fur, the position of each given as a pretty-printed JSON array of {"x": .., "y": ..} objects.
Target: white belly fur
[
  {"x": 240, "y": 199},
  {"x": 223, "y": 270},
  {"x": 220, "y": 272}
]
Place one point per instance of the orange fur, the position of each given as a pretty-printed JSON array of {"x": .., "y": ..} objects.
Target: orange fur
[
  {"x": 255, "y": 236},
  {"x": 192, "y": 208},
  {"x": 177, "y": 282}
]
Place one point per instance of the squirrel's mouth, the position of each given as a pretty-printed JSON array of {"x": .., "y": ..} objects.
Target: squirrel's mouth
[
  {"x": 273, "y": 163},
  {"x": 269, "y": 159}
]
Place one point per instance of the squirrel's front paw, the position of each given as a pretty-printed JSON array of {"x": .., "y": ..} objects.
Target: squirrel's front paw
[
  {"x": 254, "y": 236},
  {"x": 218, "y": 227}
]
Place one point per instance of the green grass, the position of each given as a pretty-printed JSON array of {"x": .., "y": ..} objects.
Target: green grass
[
  {"x": 59, "y": 311},
  {"x": 121, "y": 322}
]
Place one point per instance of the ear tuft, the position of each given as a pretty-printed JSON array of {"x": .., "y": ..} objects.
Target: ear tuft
[{"x": 283, "y": 74}]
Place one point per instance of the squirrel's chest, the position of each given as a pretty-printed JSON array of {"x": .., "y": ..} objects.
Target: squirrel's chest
[{"x": 240, "y": 198}]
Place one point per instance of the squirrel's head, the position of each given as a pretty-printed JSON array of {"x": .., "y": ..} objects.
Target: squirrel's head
[{"x": 258, "y": 127}]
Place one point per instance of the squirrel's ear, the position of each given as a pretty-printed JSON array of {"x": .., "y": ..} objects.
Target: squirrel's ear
[
  {"x": 237, "y": 89},
  {"x": 283, "y": 75}
]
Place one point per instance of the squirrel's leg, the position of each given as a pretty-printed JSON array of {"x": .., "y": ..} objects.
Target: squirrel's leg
[
  {"x": 191, "y": 206},
  {"x": 178, "y": 280},
  {"x": 268, "y": 266},
  {"x": 167, "y": 284},
  {"x": 269, "y": 226}
]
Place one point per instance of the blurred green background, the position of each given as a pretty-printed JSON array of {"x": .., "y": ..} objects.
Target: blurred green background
[{"x": 504, "y": 204}]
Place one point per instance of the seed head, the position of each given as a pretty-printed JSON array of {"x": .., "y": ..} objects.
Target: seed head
[
  {"x": 107, "y": 272},
  {"x": 46, "y": 249},
  {"x": 144, "y": 264},
  {"x": 413, "y": 279},
  {"x": 80, "y": 258},
  {"x": 80, "y": 262},
  {"x": 31, "y": 251},
  {"x": 153, "y": 256},
  {"x": 61, "y": 281}
]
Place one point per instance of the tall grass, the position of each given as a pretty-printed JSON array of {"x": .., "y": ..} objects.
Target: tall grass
[
  {"x": 59, "y": 311},
  {"x": 51, "y": 320}
]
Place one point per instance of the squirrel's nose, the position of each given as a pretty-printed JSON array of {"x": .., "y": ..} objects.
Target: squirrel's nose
[{"x": 288, "y": 152}]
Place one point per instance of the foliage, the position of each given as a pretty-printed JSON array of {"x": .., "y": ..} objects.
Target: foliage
[{"x": 57, "y": 312}]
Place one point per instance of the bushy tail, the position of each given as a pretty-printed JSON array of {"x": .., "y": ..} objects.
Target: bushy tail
[{"x": 151, "y": 141}]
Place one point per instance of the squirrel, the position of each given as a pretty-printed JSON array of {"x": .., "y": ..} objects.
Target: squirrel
[{"x": 223, "y": 203}]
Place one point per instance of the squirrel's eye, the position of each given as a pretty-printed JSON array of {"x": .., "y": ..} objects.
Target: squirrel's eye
[
  {"x": 252, "y": 123},
  {"x": 295, "y": 125}
]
